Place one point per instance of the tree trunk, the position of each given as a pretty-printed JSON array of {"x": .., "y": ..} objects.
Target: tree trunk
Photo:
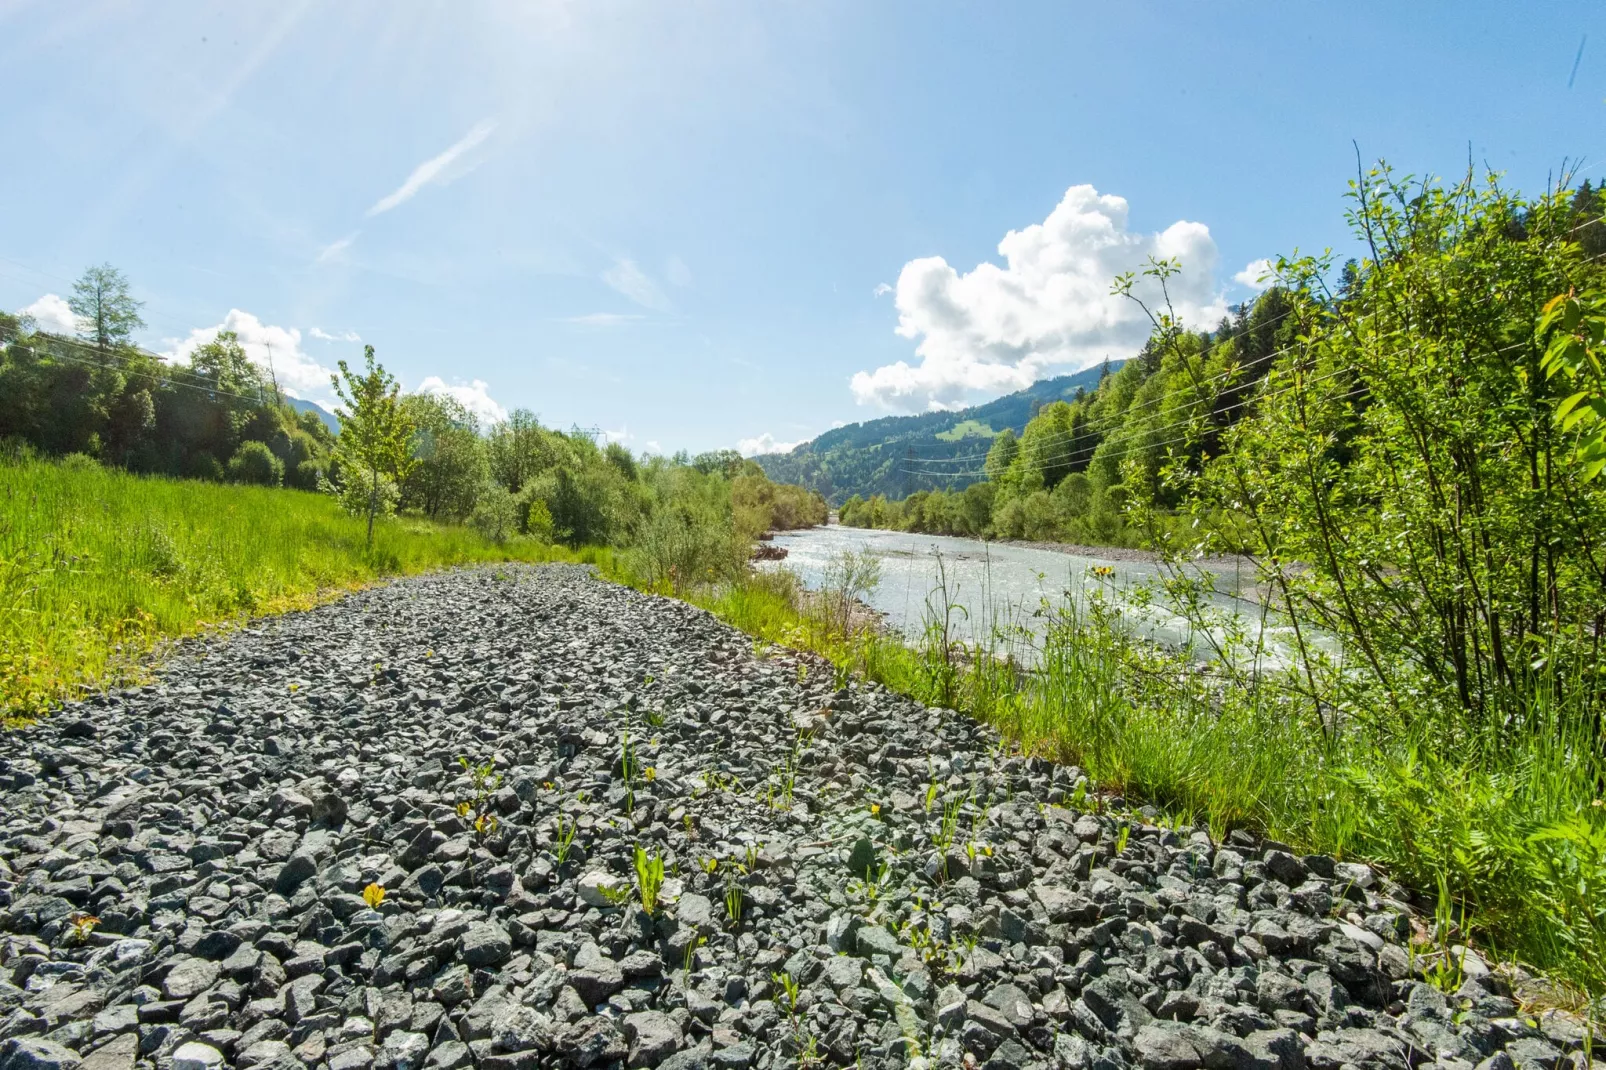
[{"x": 373, "y": 507}]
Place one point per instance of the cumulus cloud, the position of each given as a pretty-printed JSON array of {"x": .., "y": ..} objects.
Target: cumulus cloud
[
  {"x": 276, "y": 350},
  {"x": 437, "y": 170},
  {"x": 620, "y": 436},
  {"x": 338, "y": 336},
  {"x": 881, "y": 290},
  {"x": 765, "y": 443},
  {"x": 1255, "y": 275},
  {"x": 999, "y": 328},
  {"x": 628, "y": 278},
  {"x": 474, "y": 395},
  {"x": 603, "y": 319},
  {"x": 50, "y": 313}
]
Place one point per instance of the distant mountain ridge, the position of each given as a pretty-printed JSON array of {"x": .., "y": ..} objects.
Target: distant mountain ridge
[
  {"x": 330, "y": 420},
  {"x": 870, "y": 457}
]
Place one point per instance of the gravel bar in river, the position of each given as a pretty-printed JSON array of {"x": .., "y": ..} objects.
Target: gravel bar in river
[{"x": 223, "y": 824}]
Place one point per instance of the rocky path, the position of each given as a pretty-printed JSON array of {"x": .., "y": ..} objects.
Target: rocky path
[{"x": 848, "y": 877}]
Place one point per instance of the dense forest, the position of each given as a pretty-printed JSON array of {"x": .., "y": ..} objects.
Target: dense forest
[
  {"x": 100, "y": 398},
  {"x": 1074, "y": 472},
  {"x": 895, "y": 455}
]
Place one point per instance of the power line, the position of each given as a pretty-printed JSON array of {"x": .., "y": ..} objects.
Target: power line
[
  {"x": 1049, "y": 441},
  {"x": 1139, "y": 447},
  {"x": 126, "y": 370}
]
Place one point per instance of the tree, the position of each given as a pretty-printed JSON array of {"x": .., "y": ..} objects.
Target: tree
[
  {"x": 375, "y": 437},
  {"x": 107, "y": 313},
  {"x": 451, "y": 457}
]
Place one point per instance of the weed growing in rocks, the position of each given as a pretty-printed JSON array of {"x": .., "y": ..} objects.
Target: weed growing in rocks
[{"x": 649, "y": 878}]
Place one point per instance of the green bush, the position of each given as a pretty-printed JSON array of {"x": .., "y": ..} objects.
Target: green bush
[{"x": 254, "y": 463}]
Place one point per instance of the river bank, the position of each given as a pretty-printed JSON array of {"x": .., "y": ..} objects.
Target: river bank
[{"x": 287, "y": 865}]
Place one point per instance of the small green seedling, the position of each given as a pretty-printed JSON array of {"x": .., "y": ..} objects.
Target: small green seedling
[
  {"x": 565, "y": 838},
  {"x": 649, "y": 878}
]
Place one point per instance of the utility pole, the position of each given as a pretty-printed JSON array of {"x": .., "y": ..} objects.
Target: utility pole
[{"x": 274, "y": 376}]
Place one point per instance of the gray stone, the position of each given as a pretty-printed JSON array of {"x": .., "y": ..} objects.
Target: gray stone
[
  {"x": 1165, "y": 1047},
  {"x": 402, "y": 1050},
  {"x": 32, "y": 1053},
  {"x": 654, "y": 1036},
  {"x": 189, "y": 978},
  {"x": 197, "y": 1056},
  {"x": 485, "y": 944}
]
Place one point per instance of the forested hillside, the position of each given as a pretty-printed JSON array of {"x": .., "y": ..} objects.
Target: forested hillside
[
  {"x": 898, "y": 454},
  {"x": 1080, "y": 465}
]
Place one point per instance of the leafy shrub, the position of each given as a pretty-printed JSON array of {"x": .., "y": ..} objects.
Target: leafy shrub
[
  {"x": 253, "y": 462},
  {"x": 496, "y": 514}
]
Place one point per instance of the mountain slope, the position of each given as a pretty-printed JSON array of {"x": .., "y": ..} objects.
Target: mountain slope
[
  {"x": 329, "y": 419},
  {"x": 870, "y": 458}
]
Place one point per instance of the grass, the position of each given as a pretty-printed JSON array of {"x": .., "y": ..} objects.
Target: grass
[
  {"x": 1507, "y": 833},
  {"x": 99, "y": 567}
]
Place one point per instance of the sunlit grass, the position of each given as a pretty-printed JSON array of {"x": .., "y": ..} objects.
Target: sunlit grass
[
  {"x": 98, "y": 567},
  {"x": 1512, "y": 827}
]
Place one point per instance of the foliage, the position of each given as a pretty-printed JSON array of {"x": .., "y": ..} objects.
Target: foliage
[
  {"x": 1575, "y": 327},
  {"x": 649, "y": 878},
  {"x": 107, "y": 313},
  {"x": 450, "y": 466},
  {"x": 375, "y": 438},
  {"x": 99, "y": 566},
  {"x": 253, "y": 462}
]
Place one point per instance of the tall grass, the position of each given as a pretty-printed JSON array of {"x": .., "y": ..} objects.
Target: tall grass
[
  {"x": 1512, "y": 830},
  {"x": 97, "y": 567}
]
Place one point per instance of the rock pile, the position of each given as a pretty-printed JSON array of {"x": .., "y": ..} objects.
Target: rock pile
[{"x": 516, "y": 818}]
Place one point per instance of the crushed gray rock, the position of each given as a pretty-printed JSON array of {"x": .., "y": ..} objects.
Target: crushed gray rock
[{"x": 851, "y": 878}]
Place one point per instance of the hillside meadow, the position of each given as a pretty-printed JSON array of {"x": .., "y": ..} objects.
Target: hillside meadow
[{"x": 98, "y": 567}]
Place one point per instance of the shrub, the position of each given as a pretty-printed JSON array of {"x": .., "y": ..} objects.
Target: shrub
[
  {"x": 496, "y": 514},
  {"x": 253, "y": 462}
]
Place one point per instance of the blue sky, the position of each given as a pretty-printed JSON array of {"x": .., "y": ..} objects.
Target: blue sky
[{"x": 698, "y": 225}]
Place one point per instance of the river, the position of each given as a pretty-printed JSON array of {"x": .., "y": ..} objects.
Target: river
[{"x": 997, "y": 584}]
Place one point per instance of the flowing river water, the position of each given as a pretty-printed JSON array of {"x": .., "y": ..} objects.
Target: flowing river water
[{"x": 996, "y": 584}]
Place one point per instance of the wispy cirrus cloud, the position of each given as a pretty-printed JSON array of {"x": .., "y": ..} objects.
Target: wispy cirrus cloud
[
  {"x": 627, "y": 277},
  {"x": 437, "y": 170},
  {"x": 603, "y": 319},
  {"x": 333, "y": 250}
]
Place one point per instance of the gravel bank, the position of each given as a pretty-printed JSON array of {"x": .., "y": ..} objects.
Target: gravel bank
[{"x": 224, "y": 823}]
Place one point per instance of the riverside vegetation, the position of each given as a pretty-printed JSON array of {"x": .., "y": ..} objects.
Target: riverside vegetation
[
  {"x": 1411, "y": 460},
  {"x": 1424, "y": 524},
  {"x": 103, "y": 555}
]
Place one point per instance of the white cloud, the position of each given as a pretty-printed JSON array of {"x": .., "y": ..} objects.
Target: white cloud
[
  {"x": 276, "y": 350},
  {"x": 626, "y": 277},
  {"x": 51, "y": 314},
  {"x": 765, "y": 443},
  {"x": 677, "y": 272},
  {"x": 474, "y": 395},
  {"x": 334, "y": 249},
  {"x": 1251, "y": 275},
  {"x": 1000, "y": 328},
  {"x": 338, "y": 336},
  {"x": 434, "y": 171},
  {"x": 653, "y": 447},
  {"x": 621, "y": 436},
  {"x": 881, "y": 290},
  {"x": 603, "y": 319}
]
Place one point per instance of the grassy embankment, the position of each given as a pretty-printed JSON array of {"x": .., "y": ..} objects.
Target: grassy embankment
[
  {"x": 1508, "y": 837},
  {"x": 98, "y": 567}
]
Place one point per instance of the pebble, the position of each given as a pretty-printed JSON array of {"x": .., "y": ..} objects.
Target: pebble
[{"x": 225, "y": 822}]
